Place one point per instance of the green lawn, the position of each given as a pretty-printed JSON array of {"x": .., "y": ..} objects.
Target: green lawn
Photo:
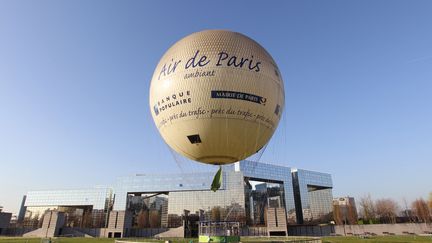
[
  {"x": 377, "y": 239},
  {"x": 340, "y": 239}
]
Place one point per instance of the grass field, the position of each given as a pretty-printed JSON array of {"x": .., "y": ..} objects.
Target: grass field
[
  {"x": 377, "y": 239},
  {"x": 340, "y": 239}
]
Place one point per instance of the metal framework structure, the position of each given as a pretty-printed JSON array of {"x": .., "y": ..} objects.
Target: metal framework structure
[{"x": 219, "y": 231}]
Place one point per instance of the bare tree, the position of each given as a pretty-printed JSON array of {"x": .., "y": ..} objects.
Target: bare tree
[
  {"x": 352, "y": 214},
  {"x": 430, "y": 201},
  {"x": 407, "y": 213},
  {"x": 337, "y": 214},
  {"x": 421, "y": 209},
  {"x": 143, "y": 219},
  {"x": 87, "y": 220},
  {"x": 344, "y": 214},
  {"x": 154, "y": 219},
  {"x": 216, "y": 214},
  {"x": 367, "y": 208},
  {"x": 386, "y": 210}
]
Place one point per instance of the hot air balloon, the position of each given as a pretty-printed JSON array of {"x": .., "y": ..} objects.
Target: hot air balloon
[{"x": 216, "y": 97}]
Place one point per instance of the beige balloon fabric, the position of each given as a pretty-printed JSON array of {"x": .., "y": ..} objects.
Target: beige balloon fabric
[{"x": 216, "y": 97}]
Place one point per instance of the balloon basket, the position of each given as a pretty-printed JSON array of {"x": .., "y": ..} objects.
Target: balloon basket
[{"x": 219, "y": 232}]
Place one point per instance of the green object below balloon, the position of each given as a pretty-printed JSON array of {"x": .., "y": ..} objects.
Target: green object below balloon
[{"x": 217, "y": 180}]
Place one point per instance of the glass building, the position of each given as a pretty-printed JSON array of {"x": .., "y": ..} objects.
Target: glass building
[
  {"x": 84, "y": 208},
  {"x": 273, "y": 176},
  {"x": 177, "y": 195},
  {"x": 260, "y": 197},
  {"x": 249, "y": 189},
  {"x": 313, "y": 196}
]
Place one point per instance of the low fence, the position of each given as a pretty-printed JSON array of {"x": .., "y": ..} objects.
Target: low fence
[
  {"x": 311, "y": 230},
  {"x": 16, "y": 231},
  {"x": 150, "y": 232},
  {"x": 253, "y": 231}
]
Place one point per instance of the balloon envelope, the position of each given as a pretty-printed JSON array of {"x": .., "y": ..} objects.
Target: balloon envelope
[{"x": 216, "y": 96}]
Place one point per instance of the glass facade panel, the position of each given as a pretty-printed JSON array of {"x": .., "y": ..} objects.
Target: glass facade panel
[
  {"x": 97, "y": 197},
  {"x": 267, "y": 173},
  {"x": 148, "y": 210},
  {"x": 86, "y": 208},
  {"x": 321, "y": 209},
  {"x": 259, "y": 199},
  {"x": 313, "y": 193},
  {"x": 184, "y": 194},
  {"x": 160, "y": 183}
]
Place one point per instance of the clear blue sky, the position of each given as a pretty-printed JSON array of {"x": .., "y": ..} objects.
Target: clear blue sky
[{"x": 74, "y": 81}]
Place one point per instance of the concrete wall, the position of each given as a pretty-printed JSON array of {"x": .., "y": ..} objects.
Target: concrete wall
[
  {"x": 94, "y": 232},
  {"x": 178, "y": 232},
  {"x": 150, "y": 232},
  {"x": 52, "y": 223},
  {"x": 103, "y": 232},
  {"x": 276, "y": 221},
  {"x": 119, "y": 224},
  {"x": 383, "y": 229},
  {"x": 36, "y": 233},
  {"x": 378, "y": 229}
]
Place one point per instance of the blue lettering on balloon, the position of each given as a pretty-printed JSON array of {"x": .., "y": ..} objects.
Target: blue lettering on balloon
[
  {"x": 222, "y": 56},
  {"x": 200, "y": 60},
  {"x": 170, "y": 69},
  {"x": 194, "y": 63}
]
